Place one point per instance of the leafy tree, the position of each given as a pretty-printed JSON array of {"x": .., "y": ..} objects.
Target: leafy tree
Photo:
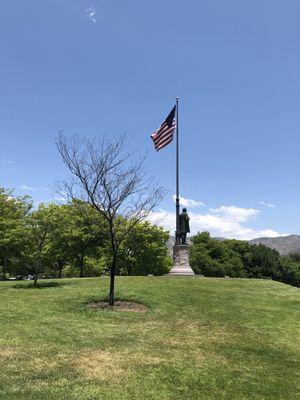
[
  {"x": 212, "y": 257},
  {"x": 235, "y": 267},
  {"x": 237, "y": 258},
  {"x": 242, "y": 249},
  {"x": 88, "y": 231},
  {"x": 76, "y": 231},
  {"x": 290, "y": 270},
  {"x": 266, "y": 262},
  {"x": 295, "y": 257},
  {"x": 59, "y": 251},
  {"x": 13, "y": 230},
  {"x": 40, "y": 224},
  {"x": 201, "y": 259},
  {"x": 144, "y": 251}
]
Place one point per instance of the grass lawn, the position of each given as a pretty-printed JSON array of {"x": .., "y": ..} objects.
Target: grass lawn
[{"x": 202, "y": 338}]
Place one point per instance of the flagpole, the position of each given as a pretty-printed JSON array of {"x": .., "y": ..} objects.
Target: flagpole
[
  {"x": 177, "y": 234},
  {"x": 180, "y": 253}
]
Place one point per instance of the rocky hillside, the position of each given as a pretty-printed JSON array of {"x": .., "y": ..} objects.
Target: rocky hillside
[{"x": 283, "y": 244}]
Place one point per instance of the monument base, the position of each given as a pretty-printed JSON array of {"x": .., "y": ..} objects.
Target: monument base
[{"x": 181, "y": 261}]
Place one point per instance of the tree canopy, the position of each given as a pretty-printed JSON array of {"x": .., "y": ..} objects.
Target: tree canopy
[
  {"x": 238, "y": 259},
  {"x": 57, "y": 240},
  {"x": 72, "y": 240}
]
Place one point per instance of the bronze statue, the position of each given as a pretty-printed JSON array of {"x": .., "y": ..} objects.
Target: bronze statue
[{"x": 184, "y": 225}]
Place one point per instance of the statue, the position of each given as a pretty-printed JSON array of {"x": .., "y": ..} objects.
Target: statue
[
  {"x": 181, "y": 250},
  {"x": 184, "y": 225}
]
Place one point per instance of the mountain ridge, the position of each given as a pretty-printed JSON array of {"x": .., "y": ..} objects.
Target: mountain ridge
[{"x": 283, "y": 244}]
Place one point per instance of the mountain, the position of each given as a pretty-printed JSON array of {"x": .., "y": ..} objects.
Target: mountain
[{"x": 283, "y": 244}]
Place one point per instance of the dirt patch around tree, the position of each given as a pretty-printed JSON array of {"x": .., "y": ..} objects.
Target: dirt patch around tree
[{"x": 120, "y": 306}]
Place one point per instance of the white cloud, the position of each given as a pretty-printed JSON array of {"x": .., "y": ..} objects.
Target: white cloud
[
  {"x": 91, "y": 13},
  {"x": 271, "y": 233},
  {"x": 25, "y": 187},
  {"x": 6, "y": 162},
  {"x": 163, "y": 218},
  {"x": 270, "y": 205},
  {"x": 188, "y": 202},
  {"x": 234, "y": 213},
  {"x": 227, "y": 224}
]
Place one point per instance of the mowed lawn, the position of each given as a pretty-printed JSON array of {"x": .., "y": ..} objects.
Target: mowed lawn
[{"x": 202, "y": 338}]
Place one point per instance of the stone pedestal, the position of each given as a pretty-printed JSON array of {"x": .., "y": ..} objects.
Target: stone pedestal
[{"x": 181, "y": 261}]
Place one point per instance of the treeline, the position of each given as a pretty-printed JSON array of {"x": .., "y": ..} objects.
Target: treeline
[
  {"x": 71, "y": 240},
  {"x": 239, "y": 259}
]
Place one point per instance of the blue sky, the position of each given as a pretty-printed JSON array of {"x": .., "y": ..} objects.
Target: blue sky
[{"x": 105, "y": 67}]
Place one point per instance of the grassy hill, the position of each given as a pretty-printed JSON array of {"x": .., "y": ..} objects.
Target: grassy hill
[{"x": 202, "y": 338}]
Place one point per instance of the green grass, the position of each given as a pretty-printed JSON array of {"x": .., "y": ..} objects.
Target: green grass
[{"x": 202, "y": 338}]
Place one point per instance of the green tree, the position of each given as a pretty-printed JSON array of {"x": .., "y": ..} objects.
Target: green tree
[
  {"x": 144, "y": 251},
  {"x": 76, "y": 232},
  {"x": 201, "y": 259},
  {"x": 266, "y": 262},
  {"x": 59, "y": 251},
  {"x": 40, "y": 224},
  {"x": 290, "y": 270},
  {"x": 13, "y": 230},
  {"x": 242, "y": 249},
  {"x": 87, "y": 231},
  {"x": 212, "y": 257},
  {"x": 207, "y": 255}
]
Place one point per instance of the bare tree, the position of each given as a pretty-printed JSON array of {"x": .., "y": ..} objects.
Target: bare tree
[{"x": 112, "y": 182}]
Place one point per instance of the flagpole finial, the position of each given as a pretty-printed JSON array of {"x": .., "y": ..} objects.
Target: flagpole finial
[{"x": 177, "y": 97}]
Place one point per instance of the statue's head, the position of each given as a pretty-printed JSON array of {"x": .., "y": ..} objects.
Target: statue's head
[{"x": 184, "y": 210}]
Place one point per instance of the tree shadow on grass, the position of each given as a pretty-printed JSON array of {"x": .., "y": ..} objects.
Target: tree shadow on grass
[{"x": 41, "y": 285}]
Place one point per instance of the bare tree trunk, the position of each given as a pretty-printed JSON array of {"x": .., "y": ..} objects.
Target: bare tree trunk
[
  {"x": 60, "y": 267},
  {"x": 81, "y": 266},
  {"x": 37, "y": 269},
  {"x": 112, "y": 280},
  {"x": 129, "y": 269},
  {"x": 37, "y": 265},
  {"x": 5, "y": 259},
  {"x": 113, "y": 268}
]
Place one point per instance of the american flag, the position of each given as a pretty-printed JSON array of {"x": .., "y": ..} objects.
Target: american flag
[{"x": 164, "y": 134}]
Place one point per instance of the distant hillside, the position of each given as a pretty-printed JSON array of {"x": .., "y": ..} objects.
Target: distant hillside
[{"x": 283, "y": 244}]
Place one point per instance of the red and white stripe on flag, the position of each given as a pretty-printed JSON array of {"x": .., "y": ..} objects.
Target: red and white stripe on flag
[{"x": 164, "y": 134}]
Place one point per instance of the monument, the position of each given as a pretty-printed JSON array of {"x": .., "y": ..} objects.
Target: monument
[{"x": 181, "y": 248}]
